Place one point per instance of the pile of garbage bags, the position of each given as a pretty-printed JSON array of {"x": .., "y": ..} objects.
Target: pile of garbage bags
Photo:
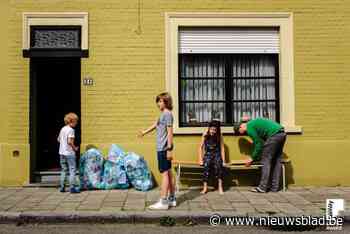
[{"x": 118, "y": 171}]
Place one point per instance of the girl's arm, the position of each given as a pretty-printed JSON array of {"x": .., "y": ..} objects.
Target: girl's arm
[
  {"x": 222, "y": 149},
  {"x": 201, "y": 150},
  {"x": 148, "y": 130}
]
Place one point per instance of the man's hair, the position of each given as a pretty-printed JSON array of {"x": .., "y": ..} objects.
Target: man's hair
[
  {"x": 68, "y": 118},
  {"x": 236, "y": 126},
  {"x": 168, "y": 101}
]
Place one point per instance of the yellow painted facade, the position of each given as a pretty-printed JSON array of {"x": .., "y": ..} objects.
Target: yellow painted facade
[{"x": 127, "y": 62}]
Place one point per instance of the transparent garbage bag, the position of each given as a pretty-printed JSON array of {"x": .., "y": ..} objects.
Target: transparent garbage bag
[
  {"x": 137, "y": 171},
  {"x": 91, "y": 169}
]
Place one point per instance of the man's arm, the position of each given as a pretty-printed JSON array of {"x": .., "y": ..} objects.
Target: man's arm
[{"x": 257, "y": 144}]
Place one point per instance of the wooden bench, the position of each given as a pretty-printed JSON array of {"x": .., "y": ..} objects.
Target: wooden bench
[{"x": 233, "y": 165}]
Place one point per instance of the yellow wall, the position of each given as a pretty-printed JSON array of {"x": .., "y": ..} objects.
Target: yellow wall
[{"x": 128, "y": 70}]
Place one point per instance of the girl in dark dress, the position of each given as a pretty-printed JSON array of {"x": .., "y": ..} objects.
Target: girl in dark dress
[{"x": 212, "y": 155}]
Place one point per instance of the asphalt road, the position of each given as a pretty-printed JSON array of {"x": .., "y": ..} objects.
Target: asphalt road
[{"x": 143, "y": 228}]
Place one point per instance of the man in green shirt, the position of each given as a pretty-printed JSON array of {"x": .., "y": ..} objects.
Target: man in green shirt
[{"x": 268, "y": 140}]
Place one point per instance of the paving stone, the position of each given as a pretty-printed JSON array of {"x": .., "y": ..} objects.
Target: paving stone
[
  {"x": 260, "y": 201},
  {"x": 241, "y": 205},
  {"x": 113, "y": 204},
  {"x": 264, "y": 208},
  {"x": 199, "y": 206},
  {"x": 235, "y": 197},
  {"x": 221, "y": 206},
  {"x": 287, "y": 208}
]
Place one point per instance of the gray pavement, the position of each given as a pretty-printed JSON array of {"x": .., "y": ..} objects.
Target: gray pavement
[{"x": 47, "y": 204}]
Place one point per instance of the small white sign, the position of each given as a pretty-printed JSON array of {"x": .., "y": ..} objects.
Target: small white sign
[
  {"x": 334, "y": 207},
  {"x": 88, "y": 81}
]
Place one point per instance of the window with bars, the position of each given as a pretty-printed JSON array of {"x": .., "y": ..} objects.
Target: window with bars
[{"x": 225, "y": 87}]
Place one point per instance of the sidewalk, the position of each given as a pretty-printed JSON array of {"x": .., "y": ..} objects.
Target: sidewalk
[{"x": 49, "y": 205}]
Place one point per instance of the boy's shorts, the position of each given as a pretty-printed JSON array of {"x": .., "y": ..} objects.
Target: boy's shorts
[{"x": 163, "y": 163}]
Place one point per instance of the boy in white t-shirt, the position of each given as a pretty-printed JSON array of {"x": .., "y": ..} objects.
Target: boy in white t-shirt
[{"x": 67, "y": 152}]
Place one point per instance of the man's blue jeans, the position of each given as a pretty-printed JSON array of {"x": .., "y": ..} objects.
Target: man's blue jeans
[{"x": 68, "y": 163}]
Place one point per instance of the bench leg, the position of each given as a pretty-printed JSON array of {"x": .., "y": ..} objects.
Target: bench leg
[
  {"x": 284, "y": 177},
  {"x": 177, "y": 180}
]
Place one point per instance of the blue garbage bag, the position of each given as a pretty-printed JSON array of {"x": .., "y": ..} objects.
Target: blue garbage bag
[
  {"x": 137, "y": 171},
  {"x": 116, "y": 154},
  {"x": 114, "y": 176},
  {"x": 91, "y": 169}
]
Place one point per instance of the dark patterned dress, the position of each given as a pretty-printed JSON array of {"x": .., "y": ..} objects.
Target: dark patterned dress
[{"x": 212, "y": 160}]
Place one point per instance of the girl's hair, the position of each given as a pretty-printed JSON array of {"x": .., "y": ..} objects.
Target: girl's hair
[
  {"x": 68, "y": 118},
  {"x": 168, "y": 101},
  {"x": 217, "y": 136}
]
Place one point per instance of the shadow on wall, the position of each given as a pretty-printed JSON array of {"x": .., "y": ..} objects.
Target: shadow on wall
[{"x": 193, "y": 177}]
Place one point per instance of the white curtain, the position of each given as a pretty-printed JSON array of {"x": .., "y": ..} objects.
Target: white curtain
[
  {"x": 202, "y": 83},
  {"x": 254, "y": 87}
]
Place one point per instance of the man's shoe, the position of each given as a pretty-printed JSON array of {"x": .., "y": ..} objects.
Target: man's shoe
[
  {"x": 258, "y": 190},
  {"x": 74, "y": 190},
  {"x": 160, "y": 205},
  {"x": 62, "y": 190}
]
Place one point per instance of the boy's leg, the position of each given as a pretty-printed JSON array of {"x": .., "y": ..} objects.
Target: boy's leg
[
  {"x": 64, "y": 170},
  {"x": 171, "y": 183},
  {"x": 72, "y": 170},
  {"x": 165, "y": 185},
  {"x": 276, "y": 173},
  {"x": 164, "y": 167}
]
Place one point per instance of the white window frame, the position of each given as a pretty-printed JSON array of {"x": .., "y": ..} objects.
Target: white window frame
[
  {"x": 284, "y": 21},
  {"x": 55, "y": 19}
]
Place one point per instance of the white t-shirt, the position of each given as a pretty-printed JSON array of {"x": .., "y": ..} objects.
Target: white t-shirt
[{"x": 66, "y": 133}]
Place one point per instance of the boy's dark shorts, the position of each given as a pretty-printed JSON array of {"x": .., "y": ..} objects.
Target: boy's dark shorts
[{"x": 163, "y": 163}]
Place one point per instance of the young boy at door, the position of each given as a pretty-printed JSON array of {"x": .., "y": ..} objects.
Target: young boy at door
[
  {"x": 164, "y": 127},
  {"x": 67, "y": 152},
  {"x": 268, "y": 140}
]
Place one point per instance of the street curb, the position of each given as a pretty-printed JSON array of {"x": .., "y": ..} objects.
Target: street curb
[{"x": 200, "y": 217}]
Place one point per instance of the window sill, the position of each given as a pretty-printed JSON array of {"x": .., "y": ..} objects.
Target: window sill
[{"x": 225, "y": 130}]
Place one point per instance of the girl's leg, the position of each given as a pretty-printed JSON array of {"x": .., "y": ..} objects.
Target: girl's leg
[
  {"x": 205, "y": 188},
  {"x": 64, "y": 170},
  {"x": 221, "y": 190},
  {"x": 206, "y": 164}
]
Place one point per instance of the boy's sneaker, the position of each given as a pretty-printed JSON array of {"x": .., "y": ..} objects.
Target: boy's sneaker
[
  {"x": 171, "y": 202},
  {"x": 62, "y": 189},
  {"x": 162, "y": 204},
  {"x": 74, "y": 190}
]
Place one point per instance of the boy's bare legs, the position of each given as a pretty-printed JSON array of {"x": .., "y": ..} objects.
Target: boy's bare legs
[
  {"x": 165, "y": 185},
  {"x": 205, "y": 188},
  {"x": 220, "y": 188},
  {"x": 171, "y": 187}
]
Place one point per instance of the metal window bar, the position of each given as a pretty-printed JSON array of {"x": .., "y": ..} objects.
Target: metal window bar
[{"x": 225, "y": 87}]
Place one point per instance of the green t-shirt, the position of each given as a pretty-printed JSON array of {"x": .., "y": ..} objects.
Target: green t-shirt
[{"x": 259, "y": 130}]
